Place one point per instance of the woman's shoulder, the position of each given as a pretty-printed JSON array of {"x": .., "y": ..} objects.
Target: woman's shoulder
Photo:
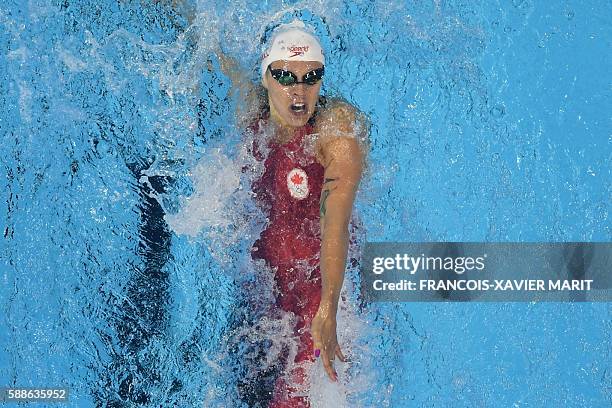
[
  {"x": 335, "y": 106},
  {"x": 339, "y": 119}
]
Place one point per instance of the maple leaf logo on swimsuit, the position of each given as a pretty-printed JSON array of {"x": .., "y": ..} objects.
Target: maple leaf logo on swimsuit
[
  {"x": 297, "y": 183},
  {"x": 297, "y": 179}
]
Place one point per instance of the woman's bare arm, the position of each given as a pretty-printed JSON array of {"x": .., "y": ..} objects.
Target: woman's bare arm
[
  {"x": 241, "y": 84},
  {"x": 342, "y": 157},
  {"x": 340, "y": 184},
  {"x": 343, "y": 163},
  {"x": 343, "y": 167}
]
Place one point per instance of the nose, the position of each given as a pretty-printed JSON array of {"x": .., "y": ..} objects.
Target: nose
[{"x": 298, "y": 89}]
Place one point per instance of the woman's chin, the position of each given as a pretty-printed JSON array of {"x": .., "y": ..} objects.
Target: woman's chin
[
  {"x": 296, "y": 120},
  {"x": 291, "y": 119}
]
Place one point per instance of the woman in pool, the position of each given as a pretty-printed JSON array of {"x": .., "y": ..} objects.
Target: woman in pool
[{"x": 311, "y": 173}]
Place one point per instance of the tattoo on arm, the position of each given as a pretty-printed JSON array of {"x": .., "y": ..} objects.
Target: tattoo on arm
[{"x": 324, "y": 195}]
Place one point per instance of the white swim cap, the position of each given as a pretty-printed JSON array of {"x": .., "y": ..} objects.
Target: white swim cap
[{"x": 292, "y": 42}]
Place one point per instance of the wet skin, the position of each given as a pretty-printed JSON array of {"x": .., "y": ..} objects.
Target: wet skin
[{"x": 281, "y": 98}]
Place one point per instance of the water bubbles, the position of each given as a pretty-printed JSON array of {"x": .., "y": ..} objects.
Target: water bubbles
[
  {"x": 498, "y": 111},
  {"x": 495, "y": 159},
  {"x": 521, "y": 4}
]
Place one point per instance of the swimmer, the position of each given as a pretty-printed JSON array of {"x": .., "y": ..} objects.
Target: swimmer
[{"x": 308, "y": 194}]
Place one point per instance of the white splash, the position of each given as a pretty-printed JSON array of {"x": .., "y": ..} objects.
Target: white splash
[{"x": 215, "y": 179}]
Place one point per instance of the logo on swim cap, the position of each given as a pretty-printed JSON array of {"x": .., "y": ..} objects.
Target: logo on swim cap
[
  {"x": 297, "y": 183},
  {"x": 294, "y": 41},
  {"x": 296, "y": 50}
]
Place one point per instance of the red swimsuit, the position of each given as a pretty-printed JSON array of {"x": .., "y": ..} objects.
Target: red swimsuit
[{"x": 290, "y": 189}]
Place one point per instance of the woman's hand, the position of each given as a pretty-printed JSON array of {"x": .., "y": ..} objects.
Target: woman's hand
[{"x": 323, "y": 331}]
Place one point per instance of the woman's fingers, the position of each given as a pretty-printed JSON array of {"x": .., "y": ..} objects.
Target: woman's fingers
[
  {"x": 340, "y": 354},
  {"x": 329, "y": 368},
  {"x": 324, "y": 347},
  {"x": 317, "y": 346},
  {"x": 321, "y": 351}
]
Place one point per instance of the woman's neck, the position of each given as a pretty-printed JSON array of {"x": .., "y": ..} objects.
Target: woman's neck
[{"x": 283, "y": 133}]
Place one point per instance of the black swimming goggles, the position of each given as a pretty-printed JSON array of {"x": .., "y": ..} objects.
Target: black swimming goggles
[{"x": 288, "y": 78}]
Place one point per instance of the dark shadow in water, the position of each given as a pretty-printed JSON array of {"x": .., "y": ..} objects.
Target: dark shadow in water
[
  {"x": 452, "y": 250},
  {"x": 142, "y": 316},
  {"x": 577, "y": 257},
  {"x": 255, "y": 384}
]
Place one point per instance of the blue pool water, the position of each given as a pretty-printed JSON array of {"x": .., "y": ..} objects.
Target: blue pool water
[{"x": 123, "y": 267}]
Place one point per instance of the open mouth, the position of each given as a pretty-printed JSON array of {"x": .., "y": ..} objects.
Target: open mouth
[{"x": 298, "y": 107}]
